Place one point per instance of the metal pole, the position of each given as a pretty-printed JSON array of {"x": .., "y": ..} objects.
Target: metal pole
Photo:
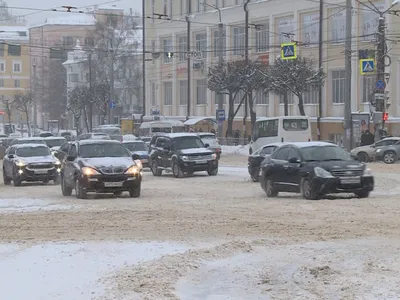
[
  {"x": 34, "y": 100},
  {"x": 221, "y": 97},
  {"x": 321, "y": 15},
  {"x": 144, "y": 58},
  {"x": 188, "y": 60},
  {"x": 110, "y": 115},
  {"x": 91, "y": 94},
  {"x": 246, "y": 57},
  {"x": 380, "y": 66},
  {"x": 347, "y": 91}
]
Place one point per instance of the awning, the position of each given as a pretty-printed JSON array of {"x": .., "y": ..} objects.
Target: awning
[{"x": 194, "y": 121}]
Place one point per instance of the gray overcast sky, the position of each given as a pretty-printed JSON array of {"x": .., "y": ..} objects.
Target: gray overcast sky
[{"x": 136, "y": 5}]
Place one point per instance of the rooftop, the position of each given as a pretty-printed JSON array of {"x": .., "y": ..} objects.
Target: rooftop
[
  {"x": 16, "y": 33},
  {"x": 70, "y": 19}
]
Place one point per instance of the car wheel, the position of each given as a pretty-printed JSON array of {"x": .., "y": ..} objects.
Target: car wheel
[
  {"x": 213, "y": 172},
  {"x": 135, "y": 192},
  {"x": 389, "y": 157},
  {"x": 6, "y": 179},
  {"x": 17, "y": 181},
  {"x": 176, "y": 170},
  {"x": 270, "y": 189},
  {"x": 307, "y": 190},
  {"x": 255, "y": 176},
  {"x": 57, "y": 180},
  {"x": 117, "y": 194},
  {"x": 363, "y": 193},
  {"x": 66, "y": 190},
  {"x": 80, "y": 192},
  {"x": 154, "y": 169},
  {"x": 363, "y": 157}
]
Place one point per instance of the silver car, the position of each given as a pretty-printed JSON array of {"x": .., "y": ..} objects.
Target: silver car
[
  {"x": 367, "y": 153},
  {"x": 389, "y": 154}
]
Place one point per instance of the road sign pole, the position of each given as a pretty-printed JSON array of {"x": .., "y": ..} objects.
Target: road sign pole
[{"x": 380, "y": 64}]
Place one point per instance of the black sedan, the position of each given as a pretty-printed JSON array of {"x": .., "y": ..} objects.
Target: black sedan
[
  {"x": 314, "y": 169},
  {"x": 100, "y": 166},
  {"x": 255, "y": 159}
]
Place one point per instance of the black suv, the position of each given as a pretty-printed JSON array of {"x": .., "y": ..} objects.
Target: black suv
[
  {"x": 100, "y": 166},
  {"x": 182, "y": 153},
  {"x": 314, "y": 169}
]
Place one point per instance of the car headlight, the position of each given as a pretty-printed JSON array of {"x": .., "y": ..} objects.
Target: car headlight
[
  {"x": 185, "y": 158},
  {"x": 378, "y": 150},
  {"x": 58, "y": 162},
  {"x": 214, "y": 156},
  {"x": 134, "y": 170},
  {"x": 20, "y": 163},
  {"x": 89, "y": 171},
  {"x": 367, "y": 172},
  {"x": 319, "y": 172},
  {"x": 138, "y": 163}
]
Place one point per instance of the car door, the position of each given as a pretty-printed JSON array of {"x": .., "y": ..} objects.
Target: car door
[
  {"x": 278, "y": 173},
  {"x": 69, "y": 166},
  {"x": 166, "y": 154},
  {"x": 159, "y": 149},
  {"x": 293, "y": 169}
]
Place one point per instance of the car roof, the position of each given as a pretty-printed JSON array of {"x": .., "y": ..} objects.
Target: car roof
[
  {"x": 54, "y": 138},
  {"x": 88, "y": 142},
  {"x": 17, "y": 146},
  {"x": 311, "y": 144},
  {"x": 30, "y": 138},
  {"x": 132, "y": 141},
  {"x": 180, "y": 134},
  {"x": 391, "y": 138},
  {"x": 275, "y": 144}
]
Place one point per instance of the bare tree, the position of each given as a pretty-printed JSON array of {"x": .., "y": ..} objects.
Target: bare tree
[
  {"x": 23, "y": 102},
  {"x": 77, "y": 102},
  {"x": 297, "y": 76},
  {"x": 228, "y": 80},
  {"x": 101, "y": 100},
  {"x": 8, "y": 107}
]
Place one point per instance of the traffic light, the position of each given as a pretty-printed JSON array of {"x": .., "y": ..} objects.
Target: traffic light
[
  {"x": 385, "y": 116},
  {"x": 169, "y": 54}
]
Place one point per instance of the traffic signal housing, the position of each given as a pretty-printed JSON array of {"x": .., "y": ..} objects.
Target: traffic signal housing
[{"x": 385, "y": 116}]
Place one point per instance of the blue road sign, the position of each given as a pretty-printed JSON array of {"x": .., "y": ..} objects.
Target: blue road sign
[
  {"x": 367, "y": 66},
  {"x": 220, "y": 115},
  {"x": 288, "y": 51},
  {"x": 380, "y": 85},
  {"x": 113, "y": 104}
]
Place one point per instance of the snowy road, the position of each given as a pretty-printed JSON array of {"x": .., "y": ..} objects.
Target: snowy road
[{"x": 200, "y": 238}]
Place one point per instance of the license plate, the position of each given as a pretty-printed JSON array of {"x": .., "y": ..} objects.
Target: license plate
[
  {"x": 40, "y": 171},
  {"x": 201, "y": 161},
  {"x": 113, "y": 184},
  {"x": 350, "y": 180}
]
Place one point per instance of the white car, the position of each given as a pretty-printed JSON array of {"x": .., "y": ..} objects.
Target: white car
[{"x": 93, "y": 136}]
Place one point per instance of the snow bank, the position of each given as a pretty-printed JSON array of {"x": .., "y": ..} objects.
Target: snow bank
[
  {"x": 30, "y": 205},
  {"x": 239, "y": 150}
]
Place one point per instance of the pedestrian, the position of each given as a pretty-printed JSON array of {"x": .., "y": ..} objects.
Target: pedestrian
[
  {"x": 237, "y": 136},
  {"x": 367, "y": 138}
]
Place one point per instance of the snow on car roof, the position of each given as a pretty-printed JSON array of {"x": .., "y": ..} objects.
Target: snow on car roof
[
  {"x": 30, "y": 139},
  {"x": 29, "y": 145},
  {"x": 54, "y": 138},
  {"x": 132, "y": 141},
  {"x": 88, "y": 142},
  {"x": 311, "y": 144},
  {"x": 180, "y": 134}
]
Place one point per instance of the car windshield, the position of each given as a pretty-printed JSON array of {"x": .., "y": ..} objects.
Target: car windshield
[
  {"x": 136, "y": 146},
  {"x": 212, "y": 141},
  {"x": 103, "y": 150},
  {"x": 33, "y": 151},
  {"x": 54, "y": 142},
  {"x": 188, "y": 143},
  {"x": 324, "y": 153},
  {"x": 28, "y": 142}
]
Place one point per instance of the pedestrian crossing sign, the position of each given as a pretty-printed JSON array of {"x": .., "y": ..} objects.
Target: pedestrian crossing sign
[
  {"x": 367, "y": 66},
  {"x": 288, "y": 51}
]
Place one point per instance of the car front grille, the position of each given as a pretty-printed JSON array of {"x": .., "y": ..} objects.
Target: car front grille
[
  {"x": 200, "y": 157},
  {"x": 113, "y": 170},
  {"x": 40, "y": 166},
  {"x": 347, "y": 172}
]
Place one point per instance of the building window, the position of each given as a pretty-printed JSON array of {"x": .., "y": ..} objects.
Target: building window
[
  {"x": 167, "y": 45},
  {"x": 17, "y": 67},
  {"x": 73, "y": 77},
  {"x": 338, "y": 25},
  {"x": 182, "y": 40},
  {"x": 68, "y": 40},
  {"x": 371, "y": 21},
  {"x": 311, "y": 28},
  {"x": 17, "y": 83},
  {"x": 290, "y": 98},
  {"x": 368, "y": 86},
  {"x": 311, "y": 97},
  {"x": 238, "y": 40},
  {"x": 338, "y": 88},
  {"x": 168, "y": 93},
  {"x": 1, "y": 82},
  {"x": 285, "y": 29},
  {"x": 183, "y": 85},
  {"x": 2, "y": 66},
  {"x": 153, "y": 93},
  {"x": 201, "y": 91},
  {"x": 262, "y": 38},
  {"x": 201, "y": 43},
  {"x": 216, "y": 43},
  {"x": 262, "y": 97}
]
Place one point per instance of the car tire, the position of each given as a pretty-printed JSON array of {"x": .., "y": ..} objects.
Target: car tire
[
  {"x": 6, "y": 179},
  {"x": 255, "y": 176},
  {"x": 135, "y": 192},
  {"x": 57, "y": 180},
  {"x": 213, "y": 172},
  {"x": 307, "y": 190},
  {"x": 17, "y": 181},
  {"x": 154, "y": 169},
  {"x": 363, "y": 157},
  {"x": 389, "y": 157},
  {"x": 80, "y": 192},
  {"x": 270, "y": 189},
  {"x": 66, "y": 190},
  {"x": 117, "y": 194},
  {"x": 177, "y": 171},
  {"x": 363, "y": 193}
]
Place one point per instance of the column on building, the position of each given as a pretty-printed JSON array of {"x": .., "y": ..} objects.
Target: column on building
[
  {"x": 355, "y": 73},
  {"x": 158, "y": 75},
  {"x": 208, "y": 61},
  {"x": 175, "y": 100}
]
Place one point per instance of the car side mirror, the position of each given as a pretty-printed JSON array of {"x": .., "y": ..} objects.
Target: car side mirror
[
  {"x": 135, "y": 156},
  {"x": 294, "y": 160},
  {"x": 206, "y": 145},
  {"x": 11, "y": 156},
  {"x": 70, "y": 158}
]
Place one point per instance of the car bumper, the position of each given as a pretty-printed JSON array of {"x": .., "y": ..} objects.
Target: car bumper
[
  {"x": 378, "y": 156},
  {"x": 340, "y": 185},
  {"x": 145, "y": 162},
  {"x": 110, "y": 183},
  {"x": 26, "y": 174},
  {"x": 193, "y": 166}
]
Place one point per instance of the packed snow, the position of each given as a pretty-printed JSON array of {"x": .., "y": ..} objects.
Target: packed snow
[
  {"x": 30, "y": 205},
  {"x": 239, "y": 150}
]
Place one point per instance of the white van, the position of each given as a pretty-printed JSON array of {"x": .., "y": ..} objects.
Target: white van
[
  {"x": 280, "y": 129},
  {"x": 148, "y": 129}
]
